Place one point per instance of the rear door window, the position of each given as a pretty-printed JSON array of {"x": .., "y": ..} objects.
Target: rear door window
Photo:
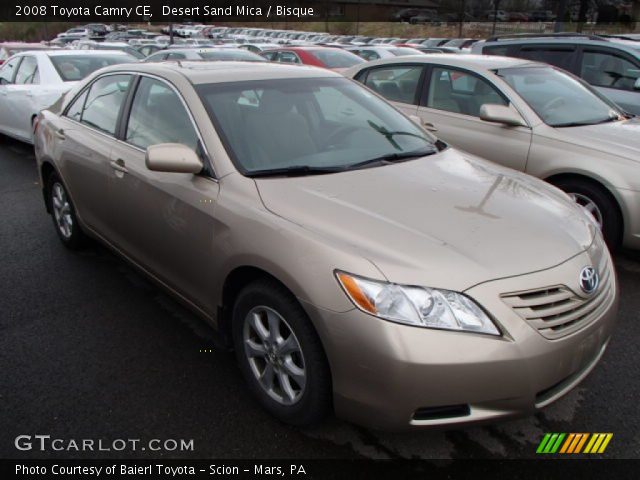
[
  {"x": 8, "y": 71},
  {"x": 176, "y": 56},
  {"x": 28, "y": 71},
  {"x": 398, "y": 83},
  {"x": 75, "y": 110},
  {"x": 288, "y": 57},
  {"x": 104, "y": 101}
]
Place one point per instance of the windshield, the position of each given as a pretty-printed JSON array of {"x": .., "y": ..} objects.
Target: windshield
[
  {"x": 559, "y": 99},
  {"x": 313, "y": 123},
  {"x": 334, "y": 58},
  {"x": 240, "y": 55},
  {"x": 75, "y": 67}
]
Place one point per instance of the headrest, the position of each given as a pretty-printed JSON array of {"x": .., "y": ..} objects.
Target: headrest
[{"x": 275, "y": 102}]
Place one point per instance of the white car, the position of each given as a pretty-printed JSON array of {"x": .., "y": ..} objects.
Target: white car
[
  {"x": 76, "y": 33},
  {"x": 190, "y": 30},
  {"x": 33, "y": 80}
]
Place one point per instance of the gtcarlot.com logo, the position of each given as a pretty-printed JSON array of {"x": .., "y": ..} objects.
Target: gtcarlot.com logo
[
  {"x": 46, "y": 443},
  {"x": 572, "y": 443}
]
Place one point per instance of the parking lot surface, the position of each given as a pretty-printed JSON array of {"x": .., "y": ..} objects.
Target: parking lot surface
[{"x": 90, "y": 349}]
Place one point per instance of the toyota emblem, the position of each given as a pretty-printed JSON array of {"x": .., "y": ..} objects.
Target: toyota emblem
[{"x": 589, "y": 280}]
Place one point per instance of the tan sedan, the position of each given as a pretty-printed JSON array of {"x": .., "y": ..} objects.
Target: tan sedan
[
  {"x": 528, "y": 116},
  {"x": 353, "y": 261}
]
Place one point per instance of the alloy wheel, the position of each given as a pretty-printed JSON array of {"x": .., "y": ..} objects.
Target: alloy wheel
[
  {"x": 62, "y": 210},
  {"x": 274, "y": 355}
]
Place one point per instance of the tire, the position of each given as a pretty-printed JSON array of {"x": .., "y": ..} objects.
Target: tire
[
  {"x": 65, "y": 220},
  {"x": 607, "y": 209},
  {"x": 268, "y": 300}
]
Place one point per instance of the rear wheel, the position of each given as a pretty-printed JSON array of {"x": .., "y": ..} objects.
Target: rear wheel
[
  {"x": 64, "y": 214},
  {"x": 280, "y": 354},
  {"x": 599, "y": 203}
]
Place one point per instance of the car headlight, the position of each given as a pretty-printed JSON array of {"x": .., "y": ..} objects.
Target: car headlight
[{"x": 418, "y": 306}]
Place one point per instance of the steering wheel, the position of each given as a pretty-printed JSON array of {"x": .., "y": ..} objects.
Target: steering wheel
[
  {"x": 554, "y": 103},
  {"x": 338, "y": 136}
]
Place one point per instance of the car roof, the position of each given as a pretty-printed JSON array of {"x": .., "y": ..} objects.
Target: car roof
[
  {"x": 83, "y": 52},
  {"x": 567, "y": 39},
  {"x": 303, "y": 47},
  {"x": 24, "y": 45},
  {"x": 477, "y": 62},
  {"x": 226, "y": 71}
]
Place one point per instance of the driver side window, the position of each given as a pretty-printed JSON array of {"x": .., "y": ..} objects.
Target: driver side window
[
  {"x": 458, "y": 91},
  {"x": 158, "y": 116}
]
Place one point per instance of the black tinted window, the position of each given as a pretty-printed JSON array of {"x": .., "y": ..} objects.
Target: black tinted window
[
  {"x": 496, "y": 50},
  {"x": 606, "y": 69},
  {"x": 560, "y": 57}
]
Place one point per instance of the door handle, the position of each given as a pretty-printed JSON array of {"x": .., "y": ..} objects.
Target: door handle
[
  {"x": 60, "y": 134},
  {"x": 119, "y": 166},
  {"x": 430, "y": 126}
]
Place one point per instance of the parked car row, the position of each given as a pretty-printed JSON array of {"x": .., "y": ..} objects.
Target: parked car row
[
  {"x": 406, "y": 208},
  {"x": 544, "y": 122}
]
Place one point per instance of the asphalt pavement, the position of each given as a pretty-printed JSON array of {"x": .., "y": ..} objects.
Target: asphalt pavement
[{"x": 89, "y": 349}]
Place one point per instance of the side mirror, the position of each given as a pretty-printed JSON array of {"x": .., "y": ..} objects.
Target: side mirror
[
  {"x": 490, "y": 112},
  {"x": 172, "y": 158},
  {"x": 636, "y": 86}
]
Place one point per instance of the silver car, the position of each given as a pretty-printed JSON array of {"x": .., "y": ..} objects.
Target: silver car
[{"x": 528, "y": 116}]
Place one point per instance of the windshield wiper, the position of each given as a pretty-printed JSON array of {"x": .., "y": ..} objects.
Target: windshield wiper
[
  {"x": 585, "y": 124},
  {"x": 293, "y": 171},
  {"x": 391, "y": 158},
  {"x": 389, "y": 134},
  {"x": 301, "y": 170}
]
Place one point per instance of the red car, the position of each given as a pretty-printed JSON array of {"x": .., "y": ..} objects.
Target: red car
[{"x": 331, "y": 58}]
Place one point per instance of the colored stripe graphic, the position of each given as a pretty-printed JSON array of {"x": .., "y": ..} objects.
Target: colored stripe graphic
[{"x": 573, "y": 443}]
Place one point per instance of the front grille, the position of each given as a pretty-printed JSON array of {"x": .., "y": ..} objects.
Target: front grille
[{"x": 557, "y": 311}]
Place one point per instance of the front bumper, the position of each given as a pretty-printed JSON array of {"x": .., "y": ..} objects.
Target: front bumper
[{"x": 397, "y": 377}]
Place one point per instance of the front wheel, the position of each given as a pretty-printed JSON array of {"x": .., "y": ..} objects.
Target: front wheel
[
  {"x": 280, "y": 354},
  {"x": 600, "y": 204}
]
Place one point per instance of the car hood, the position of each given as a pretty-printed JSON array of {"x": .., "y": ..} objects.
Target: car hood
[
  {"x": 448, "y": 220},
  {"x": 618, "y": 138}
]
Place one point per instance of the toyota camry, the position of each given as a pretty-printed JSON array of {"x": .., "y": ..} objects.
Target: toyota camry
[{"x": 354, "y": 262}]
